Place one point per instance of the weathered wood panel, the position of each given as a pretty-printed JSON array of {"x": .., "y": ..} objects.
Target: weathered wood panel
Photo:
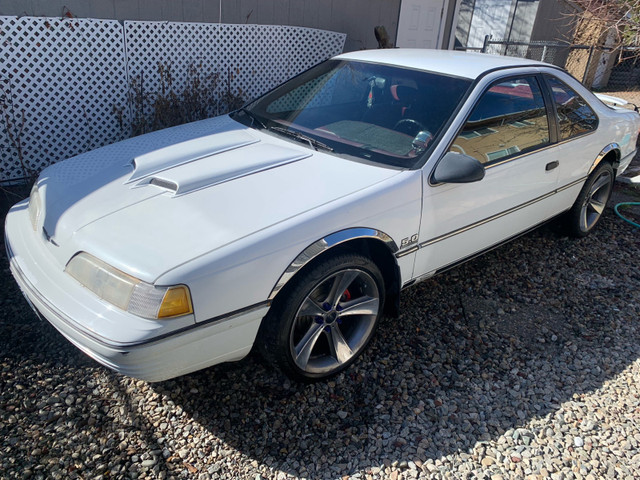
[{"x": 356, "y": 18}]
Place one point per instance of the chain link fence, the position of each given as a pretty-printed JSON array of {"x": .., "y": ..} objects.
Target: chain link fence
[{"x": 611, "y": 70}]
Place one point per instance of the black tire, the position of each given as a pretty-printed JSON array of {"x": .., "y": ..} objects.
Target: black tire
[
  {"x": 324, "y": 318},
  {"x": 591, "y": 202}
]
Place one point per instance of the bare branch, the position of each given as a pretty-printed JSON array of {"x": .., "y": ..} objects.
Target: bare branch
[{"x": 620, "y": 17}]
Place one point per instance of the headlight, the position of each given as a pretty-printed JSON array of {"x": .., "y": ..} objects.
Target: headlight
[
  {"x": 35, "y": 205},
  {"x": 127, "y": 292}
]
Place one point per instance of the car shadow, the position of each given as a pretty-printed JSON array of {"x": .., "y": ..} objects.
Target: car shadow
[{"x": 478, "y": 351}]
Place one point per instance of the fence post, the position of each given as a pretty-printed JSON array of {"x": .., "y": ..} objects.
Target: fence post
[
  {"x": 544, "y": 53},
  {"x": 485, "y": 44},
  {"x": 586, "y": 70}
]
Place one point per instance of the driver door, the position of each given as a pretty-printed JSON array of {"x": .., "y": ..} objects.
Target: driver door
[{"x": 511, "y": 134}]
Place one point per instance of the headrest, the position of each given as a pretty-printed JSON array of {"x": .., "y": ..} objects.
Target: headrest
[{"x": 404, "y": 94}]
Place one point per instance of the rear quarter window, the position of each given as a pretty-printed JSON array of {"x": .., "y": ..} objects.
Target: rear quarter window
[{"x": 574, "y": 115}]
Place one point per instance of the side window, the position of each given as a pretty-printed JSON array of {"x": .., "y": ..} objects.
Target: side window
[
  {"x": 575, "y": 116},
  {"x": 510, "y": 118}
]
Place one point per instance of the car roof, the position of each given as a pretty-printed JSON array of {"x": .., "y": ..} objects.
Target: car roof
[{"x": 450, "y": 62}]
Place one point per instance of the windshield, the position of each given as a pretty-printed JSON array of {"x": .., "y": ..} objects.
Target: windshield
[{"x": 381, "y": 113}]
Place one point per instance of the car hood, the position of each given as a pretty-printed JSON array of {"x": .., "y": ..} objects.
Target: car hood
[{"x": 149, "y": 204}]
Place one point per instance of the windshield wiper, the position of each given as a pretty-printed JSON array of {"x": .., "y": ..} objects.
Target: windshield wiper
[
  {"x": 302, "y": 138},
  {"x": 254, "y": 118}
]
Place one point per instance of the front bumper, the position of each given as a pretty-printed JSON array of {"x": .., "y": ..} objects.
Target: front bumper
[{"x": 148, "y": 350}]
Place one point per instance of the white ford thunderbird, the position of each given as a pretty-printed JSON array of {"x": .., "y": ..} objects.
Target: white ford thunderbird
[{"x": 294, "y": 222}]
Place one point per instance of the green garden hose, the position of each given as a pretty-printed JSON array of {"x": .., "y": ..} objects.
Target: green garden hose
[{"x": 626, "y": 204}]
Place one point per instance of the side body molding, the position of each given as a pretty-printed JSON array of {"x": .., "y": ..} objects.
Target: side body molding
[
  {"x": 324, "y": 244},
  {"x": 609, "y": 148}
]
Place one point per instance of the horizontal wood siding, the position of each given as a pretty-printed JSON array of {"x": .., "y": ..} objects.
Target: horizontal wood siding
[{"x": 356, "y": 18}]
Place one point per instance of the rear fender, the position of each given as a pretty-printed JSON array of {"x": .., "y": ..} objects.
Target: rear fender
[{"x": 612, "y": 147}]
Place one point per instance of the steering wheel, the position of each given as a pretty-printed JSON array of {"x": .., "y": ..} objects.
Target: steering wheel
[{"x": 409, "y": 126}]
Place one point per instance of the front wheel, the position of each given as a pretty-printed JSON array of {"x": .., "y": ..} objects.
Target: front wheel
[
  {"x": 590, "y": 204},
  {"x": 321, "y": 323}
]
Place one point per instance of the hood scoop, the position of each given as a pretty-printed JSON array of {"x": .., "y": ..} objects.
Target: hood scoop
[
  {"x": 214, "y": 170},
  {"x": 189, "y": 151},
  {"x": 159, "y": 182}
]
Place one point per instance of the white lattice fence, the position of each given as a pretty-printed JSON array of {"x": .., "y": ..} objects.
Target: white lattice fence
[
  {"x": 62, "y": 76},
  {"x": 248, "y": 60},
  {"x": 71, "y": 77}
]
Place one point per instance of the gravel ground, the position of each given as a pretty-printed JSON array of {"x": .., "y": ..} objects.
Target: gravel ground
[{"x": 524, "y": 363}]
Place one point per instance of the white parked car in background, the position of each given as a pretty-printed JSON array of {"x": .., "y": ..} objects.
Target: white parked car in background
[{"x": 294, "y": 222}]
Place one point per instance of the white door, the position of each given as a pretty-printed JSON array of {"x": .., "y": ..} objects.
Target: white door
[
  {"x": 490, "y": 17},
  {"x": 420, "y": 24},
  {"x": 508, "y": 132},
  {"x": 462, "y": 220}
]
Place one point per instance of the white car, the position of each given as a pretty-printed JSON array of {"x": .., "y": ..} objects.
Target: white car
[{"x": 293, "y": 223}]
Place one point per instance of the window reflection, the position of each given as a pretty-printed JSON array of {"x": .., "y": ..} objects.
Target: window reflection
[
  {"x": 575, "y": 116},
  {"x": 509, "y": 119}
]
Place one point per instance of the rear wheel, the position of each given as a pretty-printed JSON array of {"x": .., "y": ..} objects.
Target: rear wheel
[
  {"x": 321, "y": 323},
  {"x": 590, "y": 204}
]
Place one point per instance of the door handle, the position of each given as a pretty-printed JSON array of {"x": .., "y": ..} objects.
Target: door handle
[{"x": 552, "y": 165}]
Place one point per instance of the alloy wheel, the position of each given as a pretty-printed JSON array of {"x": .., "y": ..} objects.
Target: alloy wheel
[
  {"x": 334, "y": 321},
  {"x": 595, "y": 201}
]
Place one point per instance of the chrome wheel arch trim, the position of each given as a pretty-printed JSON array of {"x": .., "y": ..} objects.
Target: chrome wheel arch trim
[
  {"x": 326, "y": 243},
  {"x": 612, "y": 147}
]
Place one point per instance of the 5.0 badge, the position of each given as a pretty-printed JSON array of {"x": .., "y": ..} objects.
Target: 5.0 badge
[{"x": 405, "y": 242}]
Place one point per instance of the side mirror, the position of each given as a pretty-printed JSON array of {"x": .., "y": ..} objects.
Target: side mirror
[{"x": 458, "y": 168}]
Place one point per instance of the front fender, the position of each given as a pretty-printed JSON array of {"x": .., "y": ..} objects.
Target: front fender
[{"x": 252, "y": 269}]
